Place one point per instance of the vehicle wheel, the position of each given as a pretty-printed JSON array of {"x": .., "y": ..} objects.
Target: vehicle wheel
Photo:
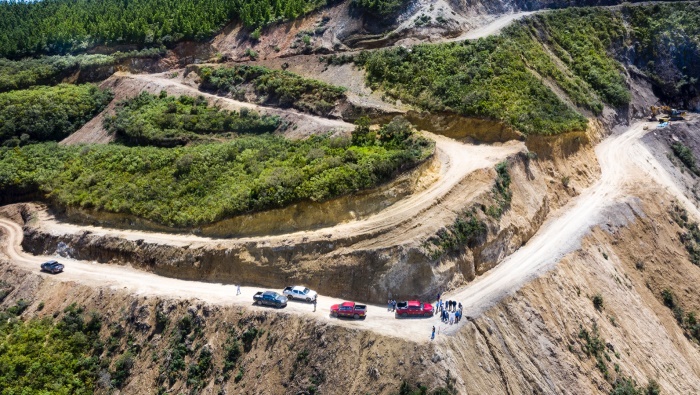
[
  {"x": 290, "y": 297},
  {"x": 356, "y": 316},
  {"x": 308, "y": 299},
  {"x": 404, "y": 315}
]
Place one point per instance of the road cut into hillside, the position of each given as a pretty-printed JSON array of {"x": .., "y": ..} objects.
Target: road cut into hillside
[{"x": 624, "y": 162}]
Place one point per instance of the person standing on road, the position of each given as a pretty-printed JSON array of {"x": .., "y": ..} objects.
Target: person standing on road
[
  {"x": 388, "y": 305},
  {"x": 238, "y": 290},
  {"x": 315, "y": 300},
  {"x": 432, "y": 337}
]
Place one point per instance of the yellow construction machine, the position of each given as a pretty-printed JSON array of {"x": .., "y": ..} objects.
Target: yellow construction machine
[{"x": 672, "y": 114}]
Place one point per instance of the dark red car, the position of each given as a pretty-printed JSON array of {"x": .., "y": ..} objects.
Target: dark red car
[
  {"x": 414, "y": 308},
  {"x": 349, "y": 310}
]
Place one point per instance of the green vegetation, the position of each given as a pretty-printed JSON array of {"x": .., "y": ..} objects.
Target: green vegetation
[
  {"x": 483, "y": 78},
  {"x": 627, "y": 386},
  {"x": 381, "y": 8},
  {"x": 594, "y": 346},
  {"x": 686, "y": 156},
  {"x": 65, "y": 26},
  {"x": 200, "y": 184},
  {"x": 691, "y": 238},
  {"x": 42, "y": 356},
  {"x": 598, "y": 302},
  {"x": 168, "y": 121},
  {"x": 581, "y": 39},
  {"x": 418, "y": 389},
  {"x": 501, "y": 191},
  {"x": 687, "y": 321},
  {"x": 48, "y": 113},
  {"x": 667, "y": 48},
  {"x": 51, "y": 70},
  {"x": 503, "y": 77},
  {"x": 274, "y": 87},
  {"x": 467, "y": 230}
]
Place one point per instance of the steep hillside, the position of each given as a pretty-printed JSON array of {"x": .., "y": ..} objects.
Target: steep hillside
[{"x": 181, "y": 157}]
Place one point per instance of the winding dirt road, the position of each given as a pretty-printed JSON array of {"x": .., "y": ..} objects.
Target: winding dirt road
[{"x": 623, "y": 158}]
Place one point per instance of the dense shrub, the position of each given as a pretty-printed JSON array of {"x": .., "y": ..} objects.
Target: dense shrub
[
  {"x": 63, "y": 26},
  {"x": 41, "y": 356},
  {"x": 501, "y": 77},
  {"x": 275, "y": 87},
  {"x": 686, "y": 156},
  {"x": 582, "y": 39},
  {"x": 666, "y": 48},
  {"x": 48, "y": 113},
  {"x": 169, "y": 121},
  {"x": 483, "y": 78},
  {"x": 200, "y": 184},
  {"x": 381, "y": 8},
  {"x": 51, "y": 70}
]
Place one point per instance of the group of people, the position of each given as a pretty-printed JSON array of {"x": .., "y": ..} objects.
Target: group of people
[
  {"x": 391, "y": 305},
  {"x": 450, "y": 311}
]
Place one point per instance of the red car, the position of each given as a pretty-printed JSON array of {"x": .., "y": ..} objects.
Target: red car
[
  {"x": 349, "y": 310},
  {"x": 414, "y": 308}
]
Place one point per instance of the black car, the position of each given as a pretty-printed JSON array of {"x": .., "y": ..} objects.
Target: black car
[{"x": 51, "y": 267}]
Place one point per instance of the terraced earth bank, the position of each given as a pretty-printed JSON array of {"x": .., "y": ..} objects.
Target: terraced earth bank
[{"x": 499, "y": 154}]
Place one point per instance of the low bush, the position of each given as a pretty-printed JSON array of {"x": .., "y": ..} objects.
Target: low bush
[
  {"x": 274, "y": 87},
  {"x": 45, "y": 356},
  {"x": 686, "y": 156},
  {"x": 48, "y": 113},
  {"x": 598, "y": 302},
  {"x": 51, "y": 70},
  {"x": 201, "y": 184},
  {"x": 380, "y": 8},
  {"x": 170, "y": 121}
]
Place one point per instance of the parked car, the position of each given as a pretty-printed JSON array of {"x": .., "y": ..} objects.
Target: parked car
[
  {"x": 299, "y": 292},
  {"x": 51, "y": 267},
  {"x": 414, "y": 308},
  {"x": 270, "y": 298},
  {"x": 349, "y": 310}
]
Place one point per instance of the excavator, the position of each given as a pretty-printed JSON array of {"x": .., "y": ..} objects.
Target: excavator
[{"x": 672, "y": 114}]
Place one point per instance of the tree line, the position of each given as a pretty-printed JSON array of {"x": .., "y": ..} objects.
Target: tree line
[{"x": 67, "y": 26}]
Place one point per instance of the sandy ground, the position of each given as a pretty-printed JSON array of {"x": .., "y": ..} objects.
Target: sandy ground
[{"x": 624, "y": 161}]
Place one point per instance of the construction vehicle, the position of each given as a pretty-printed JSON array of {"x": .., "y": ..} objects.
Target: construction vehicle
[
  {"x": 677, "y": 115},
  {"x": 672, "y": 114}
]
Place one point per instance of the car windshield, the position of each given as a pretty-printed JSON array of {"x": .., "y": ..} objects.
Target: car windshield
[{"x": 305, "y": 291}]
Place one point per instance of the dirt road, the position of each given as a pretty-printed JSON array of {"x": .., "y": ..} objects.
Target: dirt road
[
  {"x": 623, "y": 159},
  {"x": 410, "y": 218},
  {"x": 625, "y": 164}
]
